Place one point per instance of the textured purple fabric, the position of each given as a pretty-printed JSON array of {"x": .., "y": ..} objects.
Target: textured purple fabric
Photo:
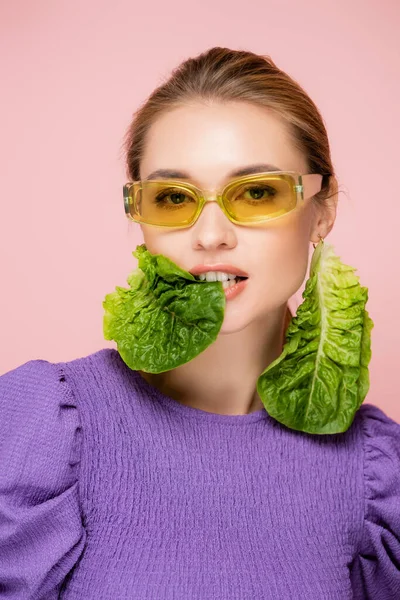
[{"x": 111, "y": 490}]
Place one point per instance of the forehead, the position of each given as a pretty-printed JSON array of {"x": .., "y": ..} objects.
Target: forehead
[{"x": 210, "y": 140}]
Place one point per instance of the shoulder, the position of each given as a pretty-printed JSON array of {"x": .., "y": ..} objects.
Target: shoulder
[
  {"x": 380, "y": 436},
  {"x": 39, "y": 422},
  {"x": 101, "y": 382},
  {"x": 105, "y": 363},
  {"x": 371, "y": 413},
  {"x": 40, "y": 396},
  {"x": 40, "y": 451},
  {"x": 376, "y": 568},
  {"x": 40, "y": 375}
]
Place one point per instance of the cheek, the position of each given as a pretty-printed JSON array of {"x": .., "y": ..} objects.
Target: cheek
[
  {"x": 149, "y": 238},
  {"x": 159, "y": 240},
  {"x": 281, "y": 264},
  {"x": 154, "y": 238}
]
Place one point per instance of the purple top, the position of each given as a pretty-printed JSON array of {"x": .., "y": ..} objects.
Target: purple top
[{"x": 111, "y": 490}]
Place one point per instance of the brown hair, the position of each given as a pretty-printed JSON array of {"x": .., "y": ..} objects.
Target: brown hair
[{"x": 222, "y": 74}]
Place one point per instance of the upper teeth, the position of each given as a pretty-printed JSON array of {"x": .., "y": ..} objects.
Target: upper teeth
[{"x": 216, "y": 276}]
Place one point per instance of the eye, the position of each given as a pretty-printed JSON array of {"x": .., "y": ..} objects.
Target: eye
[
  {"x": 260, "y": 192},
  {"x": 176, "y": 197}
]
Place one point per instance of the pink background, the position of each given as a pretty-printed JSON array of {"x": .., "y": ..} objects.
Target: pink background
[{"x": 73, "y": 73}]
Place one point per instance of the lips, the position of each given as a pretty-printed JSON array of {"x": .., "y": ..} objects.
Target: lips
[{"x": 198, "y": 269}]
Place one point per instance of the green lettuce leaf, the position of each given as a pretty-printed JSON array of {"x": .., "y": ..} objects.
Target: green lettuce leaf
[
  {"x": 321, "y": 377},
  {"x": 165, "y": 318}
]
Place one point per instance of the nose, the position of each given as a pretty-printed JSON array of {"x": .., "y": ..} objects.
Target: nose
[{"x": 213, "y": 229}]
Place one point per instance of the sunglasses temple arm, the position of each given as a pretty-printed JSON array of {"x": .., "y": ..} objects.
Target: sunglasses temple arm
[{"x": 312, "y": 183}]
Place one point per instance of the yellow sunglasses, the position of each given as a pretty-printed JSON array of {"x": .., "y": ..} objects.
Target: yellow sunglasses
[{"x": 248, "y": 200}]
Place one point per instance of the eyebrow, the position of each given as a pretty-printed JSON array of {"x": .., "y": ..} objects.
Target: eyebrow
[{"x": 249, "y": 170}]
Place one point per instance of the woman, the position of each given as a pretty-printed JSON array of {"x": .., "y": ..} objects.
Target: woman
[{"x": 122, "y": 483}]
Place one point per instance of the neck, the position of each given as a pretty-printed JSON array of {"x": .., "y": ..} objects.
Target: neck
[{"x": 223, "y": 378}]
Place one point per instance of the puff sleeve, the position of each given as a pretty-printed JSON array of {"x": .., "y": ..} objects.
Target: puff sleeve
[
  {"x": 41, "y": 529},
  {"x": 377, "y": 569}
]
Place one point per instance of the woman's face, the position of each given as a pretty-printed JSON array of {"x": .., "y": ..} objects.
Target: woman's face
[{"x": 207, "y": 142}]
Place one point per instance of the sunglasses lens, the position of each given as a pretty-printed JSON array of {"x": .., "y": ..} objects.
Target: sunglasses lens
[
  {"x": 261, "y": 198},
  {"x": 255, "y": 199},
  {"x": 164, "y": 204}
]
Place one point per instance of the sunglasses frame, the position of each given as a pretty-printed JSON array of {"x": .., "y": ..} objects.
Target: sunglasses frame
[{"x": 303, "y": 186}]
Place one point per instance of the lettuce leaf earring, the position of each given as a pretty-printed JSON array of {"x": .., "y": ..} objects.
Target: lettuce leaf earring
[
  {"x": 321, "y": 377},
  {"x": 167, "y": 317}
]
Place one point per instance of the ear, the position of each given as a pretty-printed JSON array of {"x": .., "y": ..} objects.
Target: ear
[{"x": 325, "y": 215}]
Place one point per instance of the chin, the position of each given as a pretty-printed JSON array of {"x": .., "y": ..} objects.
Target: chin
[
  {"x": 252, "y": 313},
  {"x": 235, "y": 321}
]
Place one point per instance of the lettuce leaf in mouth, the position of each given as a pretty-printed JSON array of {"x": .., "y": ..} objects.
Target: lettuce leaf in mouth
[
  {"x": 321, "y": 377},
  {"x": 165, "y": 318}
]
